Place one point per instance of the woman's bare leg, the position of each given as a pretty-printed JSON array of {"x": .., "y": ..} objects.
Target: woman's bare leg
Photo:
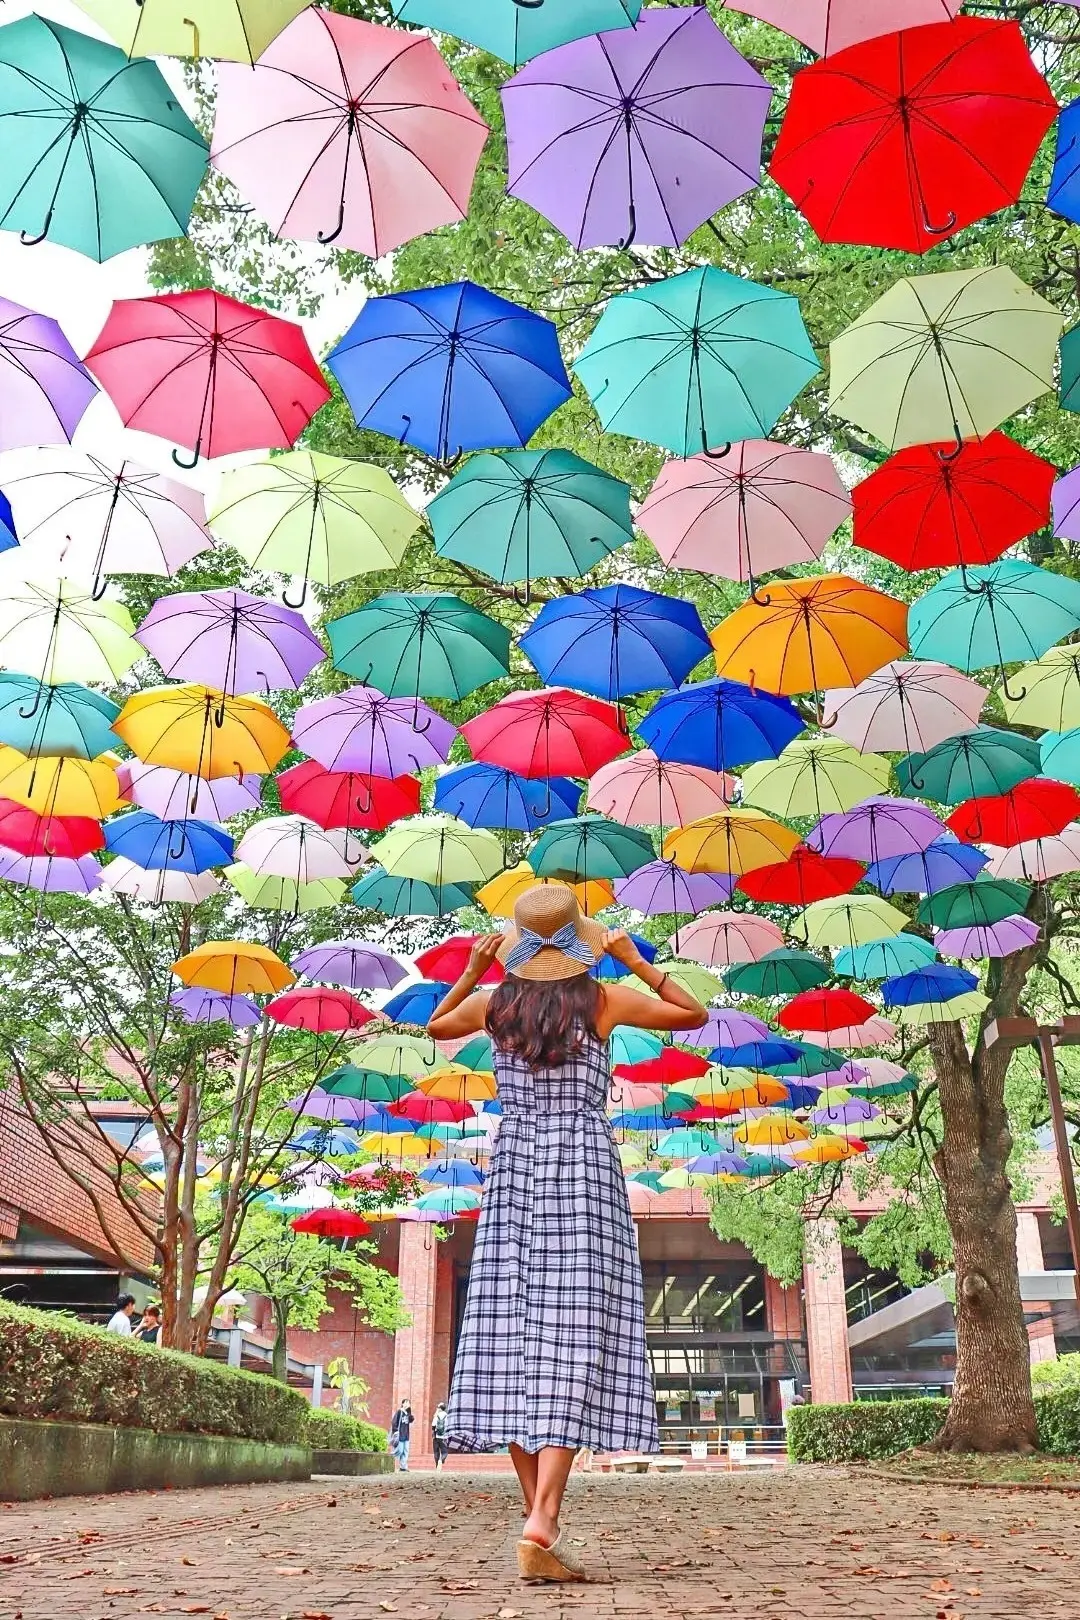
[
  {"x": 525, "y": 1464},
  {"x": 553, "y": 1470}
]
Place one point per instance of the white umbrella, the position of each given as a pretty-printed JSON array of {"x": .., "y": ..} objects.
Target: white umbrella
[
  {"x": 293, "y": 847},
  {"x": 1037, "y": 860},
  {"x": 904, "y": 706},
  {"x": 179, "y": 888}
]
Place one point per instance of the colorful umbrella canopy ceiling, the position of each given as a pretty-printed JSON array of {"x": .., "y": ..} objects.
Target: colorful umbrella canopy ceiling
[
  {"x": 719, "y": 725},
  {"x": 1051, "y": 691},
  {"x": 731, "y": 841},
  {"x": 615, "y": 641},
  {"x": 939, "y": 866},
  {"x": 590, "y": 846},
  {"x": 319, "y": 1010},
  {"x": 166, "y": 886},
  {"x": 363, "y": 730},
  {"x": 172, "y": 795},
  {"x": 185, "y": 846},
  {"x": 1037, "y": 808},
  {"x": 212, "y": 1006},
  {"x": 814, "y": 775},
  {"x": 832, "y": 25},
  {"x": 230, "y": 30},
  {"x": 805, "y": 876},
  {"x": 640, "y": 136},
  {"x": 807, "y": 634},
  {"x": 420, "y": 645},
  {"x": 234, "y": 968},
  {"x": 876, "y": 830},
  {"x": 200, "y": 730},
  {"x": 290, "y": 847},
  {"x": 66, "y": 718},
  {"x": 440, "y": 849},
  {"x": 410, "y": 897},
  {"x": 662, "y": 888},
  {"x": 60, "y": 631},
  {"x": 517, "y": 32},
  {"x": 356, "y": 965}
]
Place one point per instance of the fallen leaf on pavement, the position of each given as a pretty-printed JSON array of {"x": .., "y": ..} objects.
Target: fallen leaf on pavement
[
  {"x": 292, "y": 1569},
  {"x": 510, "y": 1614},
  {"x": 315, "y": 1614},
  {"x": 391, "y": 1608},
  {"x": 195, "y": 1608},
  {"x": 119, "y": 1591}
]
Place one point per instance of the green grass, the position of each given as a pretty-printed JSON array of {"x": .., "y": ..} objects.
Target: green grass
[{"x": 1000, "y": 1469}]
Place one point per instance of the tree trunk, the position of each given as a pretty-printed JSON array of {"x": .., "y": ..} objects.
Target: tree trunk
[
  {"x": 279, "y": 1364},
  {"x": 992, "y": 1408}
]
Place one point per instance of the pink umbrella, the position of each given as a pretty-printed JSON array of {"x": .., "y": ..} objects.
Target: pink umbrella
[
  {"x": 993, "y": 939},
  {"x": 830, "y": 25},
  {"x": 760, "y": 507},
  {"x": 644, "y": 791},
  {"x": 904, "y": 706},
  {"x": 722, "y": 938},
  {"x": 876, "y": 1031},
  {"x": 176, "y": 795},
  {"x": 1037, "y": 860},
  {"x": 348, "y": 132}
]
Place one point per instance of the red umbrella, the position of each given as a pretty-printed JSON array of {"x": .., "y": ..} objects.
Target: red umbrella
[
  {"x": 824, "y": 1011},
  {"x": 673, "y": 1064},
  {"x": 208, "y": 372},
  {"x": 448, "y": 961},
  {"x": 803, "y": 878},
  {"x": 1037, "y": 808},
  {"x": 68, "y": 837},
  {"x": 430, "y": 1110},
  {"x": 331, "y": 1223},
  {"x": 348, "y": 799},
  {"x": 903, "y": 140},
  {"x": 934, "y": 506},
  {"x": 319, "y": 1010},
  {"x": 554, "y": 732},
  {"x": 702, "y": 1113}
]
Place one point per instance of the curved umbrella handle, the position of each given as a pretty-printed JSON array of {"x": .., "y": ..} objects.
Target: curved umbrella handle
[
  {"x": 628, "y": 240},
  {"x": 714, "y": 455},
  {"x": 1011, "y": 697},
  {"x": 978, "y": 589},
  {"x": 288, "y": 601},
  {"x": 176, "y": 854},
  {"x": 529, "y": 5},
  {"x": 35, "y": 241},
  {"x": 450, "y": 463},
  {"x": 188, "y": 466},
  {"x": 526, "y": 599},
  {"x": 326, "y": 237},
  {"x": 99, "y": 588},
  {"x": 938, "y": 230},
  {"x": 422, "y": 730}
]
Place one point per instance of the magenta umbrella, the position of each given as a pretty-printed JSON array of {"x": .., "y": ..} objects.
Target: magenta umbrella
[
  {"x": 177, "y": 795},
  {"x": 660, "y": 888},
  {"x": 363, "y": 730},
  {"x": 877, "y": 829},
  {"x": 348, "y": 132},
  {"x": 230, "y": 640},
  {"x": 44, "y": 385},
  {"x": 640, "y": 134}
]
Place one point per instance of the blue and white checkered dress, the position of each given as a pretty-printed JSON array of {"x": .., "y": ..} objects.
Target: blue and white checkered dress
[{"x": 552, "y": 1349}]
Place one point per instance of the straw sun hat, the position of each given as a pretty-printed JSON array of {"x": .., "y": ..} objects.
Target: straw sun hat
[{"x": 549, "y": 939}]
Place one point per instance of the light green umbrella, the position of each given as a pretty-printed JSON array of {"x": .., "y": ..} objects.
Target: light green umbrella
[
  {"x": 848, "y": 921},
  {"x": 815, "y": 776},
  {"x": 230, "y": 30},
  {"x": 414, "y": 644},
  {"x": 284, "y": 894},
  {"x": 1050, "y": 691},
  {"x": 407, "y": 1056},
  {"x": 968, "y": 1005},
  {"x": 440, "y": 849}
]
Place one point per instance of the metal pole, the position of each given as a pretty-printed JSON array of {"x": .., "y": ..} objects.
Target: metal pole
[{"x": 1048, "y": 1059}]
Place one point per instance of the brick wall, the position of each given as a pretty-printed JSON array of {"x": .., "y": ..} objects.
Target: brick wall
[
  {"x": 370, "y": 1354},
  {"x": 826, "y": 1314},
  {"x": 783, "y": 1309}
]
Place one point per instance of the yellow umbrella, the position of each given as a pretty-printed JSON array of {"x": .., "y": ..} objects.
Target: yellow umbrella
[
  {"x": 230, "y": 30},
  {"x": 815, "y": 776},
  {"x": 458, "y": 1085},
  {"x": 202, "y": 732},
  {"x": 734, "y": 841},
  {"x": 826, "y": 1149},
  {"x": 61, "y": 787},
  {"x": 1050, "y": 691},
  {"x": 500, "y": 896},
  {"x": 234, "y": 968},
  {"x": 848, "y": 921},
  {"x": 397, "y": 1145},
  {"x": 803, "y": 635},
  {"x": 772, "y": 1130}
]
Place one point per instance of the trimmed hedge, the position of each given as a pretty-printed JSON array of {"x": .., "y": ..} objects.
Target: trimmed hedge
[
  {"x": 333, "y": 1431},
  {"x": 866, "y": 1431},
  {"x": 54, "y": 1367}
]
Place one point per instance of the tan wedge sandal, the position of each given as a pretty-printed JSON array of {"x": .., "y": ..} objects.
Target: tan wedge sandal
[{"x": 554, "y": 1563}]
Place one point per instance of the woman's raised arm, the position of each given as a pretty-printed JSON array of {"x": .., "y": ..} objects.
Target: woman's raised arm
[
  {"x": 676, "y": 1008},
  {"x": 462, "y": 1011}
]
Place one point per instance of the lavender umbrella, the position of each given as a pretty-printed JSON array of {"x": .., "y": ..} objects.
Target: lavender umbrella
[
  {"x": 356, "y": 966},
  {"x": 339, "y": 1110},
  {"x": 174, "y": 795},
  {"x": 363, "y": 730},
  {"x": 725, "y": 1027},
  {"x": 661, "y": 887},
  {"x": 230, "y": 640},
  {"x": 992, "y": 939},
  {"x": 638, "y": 134},
  {"x": 44, "y": 385},
  {"x": 853, "y": 1111},
  {"x": 212, "y": 1007},
  {"x": 876, "y": 830},
  {"x": 51, "y": 874}
]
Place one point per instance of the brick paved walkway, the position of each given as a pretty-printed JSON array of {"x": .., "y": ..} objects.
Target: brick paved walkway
[{"x": 797, "y": 1545}]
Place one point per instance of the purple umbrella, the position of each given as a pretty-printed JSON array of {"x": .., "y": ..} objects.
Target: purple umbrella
[
  {"x": 177, "y": 795},
  {"x": 363, "y": 730},
  {"x": 994, "y": 939},
  {"x": 877, "y": 830},
  {"x": 230, "y": 640},
  {"x": 44, "y": 385},
  {"x": 1065, "y": 503},
  {"x": 855, "y": 1111},
  {"x": 339, "y": 1110},
  {"x": 211, "y": 1007},
  {"x": 357, "y": 967},
  {"x": 639, "y": 134},
  {"x": 52, "y": 874},
  {"x": 661, "y": 887},
  {"x": 725, "y": 1027}
]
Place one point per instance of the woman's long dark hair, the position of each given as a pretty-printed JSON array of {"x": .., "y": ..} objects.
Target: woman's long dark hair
[{"x": 543, "y": 1023}]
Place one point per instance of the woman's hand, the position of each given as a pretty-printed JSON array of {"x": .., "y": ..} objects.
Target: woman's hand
[
  {"x": 617, "y": 943},
  {"x": 482, "y": 956}
]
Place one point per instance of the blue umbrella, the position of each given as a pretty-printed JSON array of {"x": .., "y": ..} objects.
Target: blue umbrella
[
  {"x": 8, "y": 537},
  {"x": 409, "y": 897},
  {"x": 720, "y": 725},
  {"x": 492, "y": 796},
  {"x": 1064, "y": 194},
  {"x": 941, "y": 864},
  {"x": 616, "y": 641},
  {"x": 449, "y": 369},
  {"x": 168, "y": 846},
  {"x": 756, "y": 1054},
  {"x": 608, "y": 969},
  {"x": 416, "y": 1003},
  {"x": 885, "y": 958},
  {"x": 452, "y": 1173},
  {"x": 799, "y": 1096},
  {"x": 331, "y": 1141},
  {"x": 66, "y": 720},
  {"x": 645, "y": 1119},
  {"x": 936, "y": 982}
]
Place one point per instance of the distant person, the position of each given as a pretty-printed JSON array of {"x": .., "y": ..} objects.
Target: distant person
[
  {"x": 400, "y": 1432},
  {"x": 149, "y": 1329},
  {"x": 439, "y": 1436},
  {"x": 120, "y": 1321}
]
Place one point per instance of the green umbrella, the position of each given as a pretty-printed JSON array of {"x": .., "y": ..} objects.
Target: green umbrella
[
  {"x": 590, "y": 846},
  {"x": 476, "y": 1055},
  {"x": 974, "y": 905},
  {"x": 901, "y": 1086},
  {"x": 365, "y": 1085},
  {"x": 971, "y": 766},
  {"x": 812, "y": 1060},
  {"x": 518, "y": 29},
  {"x": 407, "y": 897},
  {"x": 530, "y": 514},
  {"x": 96, "y": 152},
  {"x": 411, "y": 1055},
  {"x": 284, "y": 894},
  {"x": 440, "y": 849},
  {"x": 417, "y": 645},
  {"x": 780, "y": 973},
  {"x": 647, "y": 1178}
]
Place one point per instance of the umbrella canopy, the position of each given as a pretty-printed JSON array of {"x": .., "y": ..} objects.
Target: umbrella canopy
[
  {"x": 448, "y": 961},
  {"x": 1064, "y": 193},
  {"x": 350, "y": 133},
  {"x": 212, "y": 1007},
  {"x": 697, "y": 361},
  {"x": 1038, "y": 808},
  {"x": 99, "y": 154},
  {"x": 331, "y": 1223},
  {"x": 46, "y": 386},
  {"x": 409, "y": 897},
  {"x": 182, "y": 846},
  {"x": 166, "y": 886},
  {"x": 1059, "y": 754},
  {"x": 353, "y": 964},
  {"x": 413, "y": 644},
  {"x": 492, "y": 796},
  {"x": 202, "y": 731},
  {"x": 661, "y": 888},
  {"x": 547, "y": 733},
  {"x": 231, "y": 640},
  {"x": 720, "y": 724},
  {"x": 644, "y": 791},
  {"x": 347, "y": 799},
  {"x": 876, "y": 830},
  {"x": 231, "y": 30},
  {"x": 366, "y": 1085},
  {"x": 734, "y": 841},
  {"x": 283, "y": 893},
  {"x": 641, "y": 135},
  {"x": 804, "y": 635},
  {"x": 902, "y": 141},
  {"x": 440, "y": 849},
  {"x": 363, "y": 730},
  {"x": 500, "y": 896},
  {"x": 814, "y": 775},
  {"x": 60, "y": 787},
  {"x": 781, "y": 973},
  {"x": 720, "y": 938},
  {"x": 979, "y": 762},
  {"x": 530, "y": 513},
  {"x": 1050, "y": 691},
  {"x": 832, "y": 25},
  {"x": 822, "y": 1011},
  {"x": 849, "y": 920},
  {"x": 290, "y": 847},
  {"x": 416, "y": 1002},
  {"x": 448, "y": 369},
  {"x": 172, "y": 795},
  {"x": 939, "y": 866},
  {"x": 974, "y": 905},
  {"x": 935, "y": 982},
  {"x": 234, "y": 968},
  {"x": 988, "y": 939},
  {"x": 803, "y": 878},
  {"x": 50, "y": 874},
  {"x": 760, "y": 507},
  {"x": 59, "y": 630},
  {"x": 615, "y": 642},
  {"x": 904, "y": 706},
  {"x": 1017, "y": 611},
  {"x": 319, "y": 1010},
  {"x": 882, "y": 958},
  {"x": 70, "y": 719},
  {"x": 945, "y": 356},
  {"x": 319, "y": 516},
  {"x": 25, "y": 832},
  {"x": 517, "y": 32},
  {"x": 590, "y": 846},
  {"x": 208, "y": 372}
]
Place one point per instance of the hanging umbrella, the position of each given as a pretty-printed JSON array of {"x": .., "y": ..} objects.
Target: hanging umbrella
[
  {"x": 492, "y": 796},
  {"x": 997, "y": 615},
  {"x": 448, "y": 369},
  {"x": 207, "y": 372},
  {"x": 416, "y": 1003},
  {"x": 697, "y": 361},
  {"x": 408, "y": 897},
  {"x": 368, "y": 1084},
  {"x": 902, "y": 141},
  {"x": 734, "y": 841},
  {"x": 56, "y": 628},
  {"x": 969, "y": 1004},
  {"x": 476, "y": 1054},
  {"x": 234, "y": 968},
  {"x": 25, "y": 832},
  {"x": 355, "y": 965},
  {"x": 759, "y": 1053},
  {"x": 350, "y": 133},
  {"x": 440, "y": 849},
  {"x": 720, "y": 724},
  {"x": 455, "y": 1174},
  {"x": 1038, "y": 808},
  {"x": 164, "y": 887},
  {"x": 61, "y": 787},
  {"x": 326, "y": 1143},
  {"x": 882, "y": 958},
  {"x": 660, "y": 888},
  {"x": 814, "y": 775},
  {"x": 46, "y": 387},
  {"x": 94, "y": 519},
  {"x": 1051, "y": 691},
  {"x": 590, "y": 846},
  {"x": 1059, "y": 756},
  {"x": 814, "y": 1060},
  {"x": 290, "y": 847},
  {"x": 547, "y": 733},
  {"x": 644, "y": 791},
  {"x": 939, "y": 866},
  {"x": 944, "y": 356},
  {"x": 823, "y": 1011},
  {"x": 319, "y": 1010},
  {"x": 848, "y": 920},
  {"x": 43, "y": 719},
  {"x": 831, "y": 25},
  {"x": 722, "y": 938},
  {"x": 202, "y": 731},
  {"x": 904, "y": 706},
  {"x": 99, "y": 154},
  {"x": 173, "y": 795},
  {"x": 983, "y": 940},
  {"x": 761, "y": 507},
  {"x": 933, "y": 506},
  {"x": 803, "y": 878},
  {"x": 517, "y": 32},
  {"x": 448, "y": 961},
  {"x": 455, "y": 1082},
  {"x": 639, "y": 135},
  {"x": 411, "y": 644},
  {"x": 230, "y": 30},
  {"x": 876, "y": 830},
  {"x": 935, "y": 982},
  {"x": 331, "y": 1223},
  {"x": 1064, "y": 194},
  {"x": 976, "y": 763},
  {"x": 231, "y": 640},
  {"x": 50, "y": 874},
  {"x": 500, "y": 896},
  {"x": 364, "y": 730},
  {"x": 347, "y": 799},
  {"x": 212, "y": 1007},
  {"x": 284, "y": 894},
  {"x": 529, "y": 514},
  {"x": 667, "y": 1069},
  {"x": 804, "y": 635},
  {"x": 182, "y": 846},
  {"x": 615, "y": 642},
  {"x": 973, "y": 905}
]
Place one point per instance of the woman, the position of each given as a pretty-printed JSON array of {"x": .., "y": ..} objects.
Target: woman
[
  {"x": 439, "y": 1441},
  {"x": 552, "y": 1353},
  {"x": 401, "y": 1433}
]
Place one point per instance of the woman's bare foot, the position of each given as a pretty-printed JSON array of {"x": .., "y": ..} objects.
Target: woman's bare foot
[{"x": 541, "y": 1528}]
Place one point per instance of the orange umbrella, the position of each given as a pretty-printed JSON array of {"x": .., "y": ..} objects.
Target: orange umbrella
[
  {"x": 454, "y": 1084},
  {"x": 734, "y": 841},
  {"x": 803, "y": 635}
]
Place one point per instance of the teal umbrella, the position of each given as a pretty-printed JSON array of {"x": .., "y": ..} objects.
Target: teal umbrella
[
  {"x": 1006, "y": 613},
  {"x": 55, "y": 720},
  {"x": 96, "y": 152},
  {"x": 971, "y": 766},
  {"x": 628, "y": 1046},
  {"x": 974, "y": 905},
  {"x": 780, "y": 973},
  {"x": 697, "y": 361},
  {"x": 583, "y": 848},
  {"x": 531, "y": 514},
  {"x": 811, "y": 1061},
  {"x": 686, "y": 1143},
  {"x": 414, "y": 645},
  {"x": 409, "y": 897},
  {"x": 1070, "y": 369},
  {"x": 476, "y": 1055},
  {"x": 1059, "y": 756},
  {"x": 518, "y": 29},
  {"x": 885, "y": 958}
]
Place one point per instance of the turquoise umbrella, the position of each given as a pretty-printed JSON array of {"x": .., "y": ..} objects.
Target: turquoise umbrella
[
  {"x": 519, "y": 29},
  {"x": 1008, "y": 612},
  {"x": 66, "y": 720},
  {"x": 972, "y": 766},
  {"x": 697, "y": 361},
  {"x": 415, "y": 645},
  {"x": 531, "y": 514},
  {"x": 1059, "y": 756},
  {"x": 884, "y": 958},
  {"x": 629, "y": 1046},
  {"x": 584, "y": 848},
  {"x": 408, "y": 897},
  {"x": 96, "y": 152}
]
